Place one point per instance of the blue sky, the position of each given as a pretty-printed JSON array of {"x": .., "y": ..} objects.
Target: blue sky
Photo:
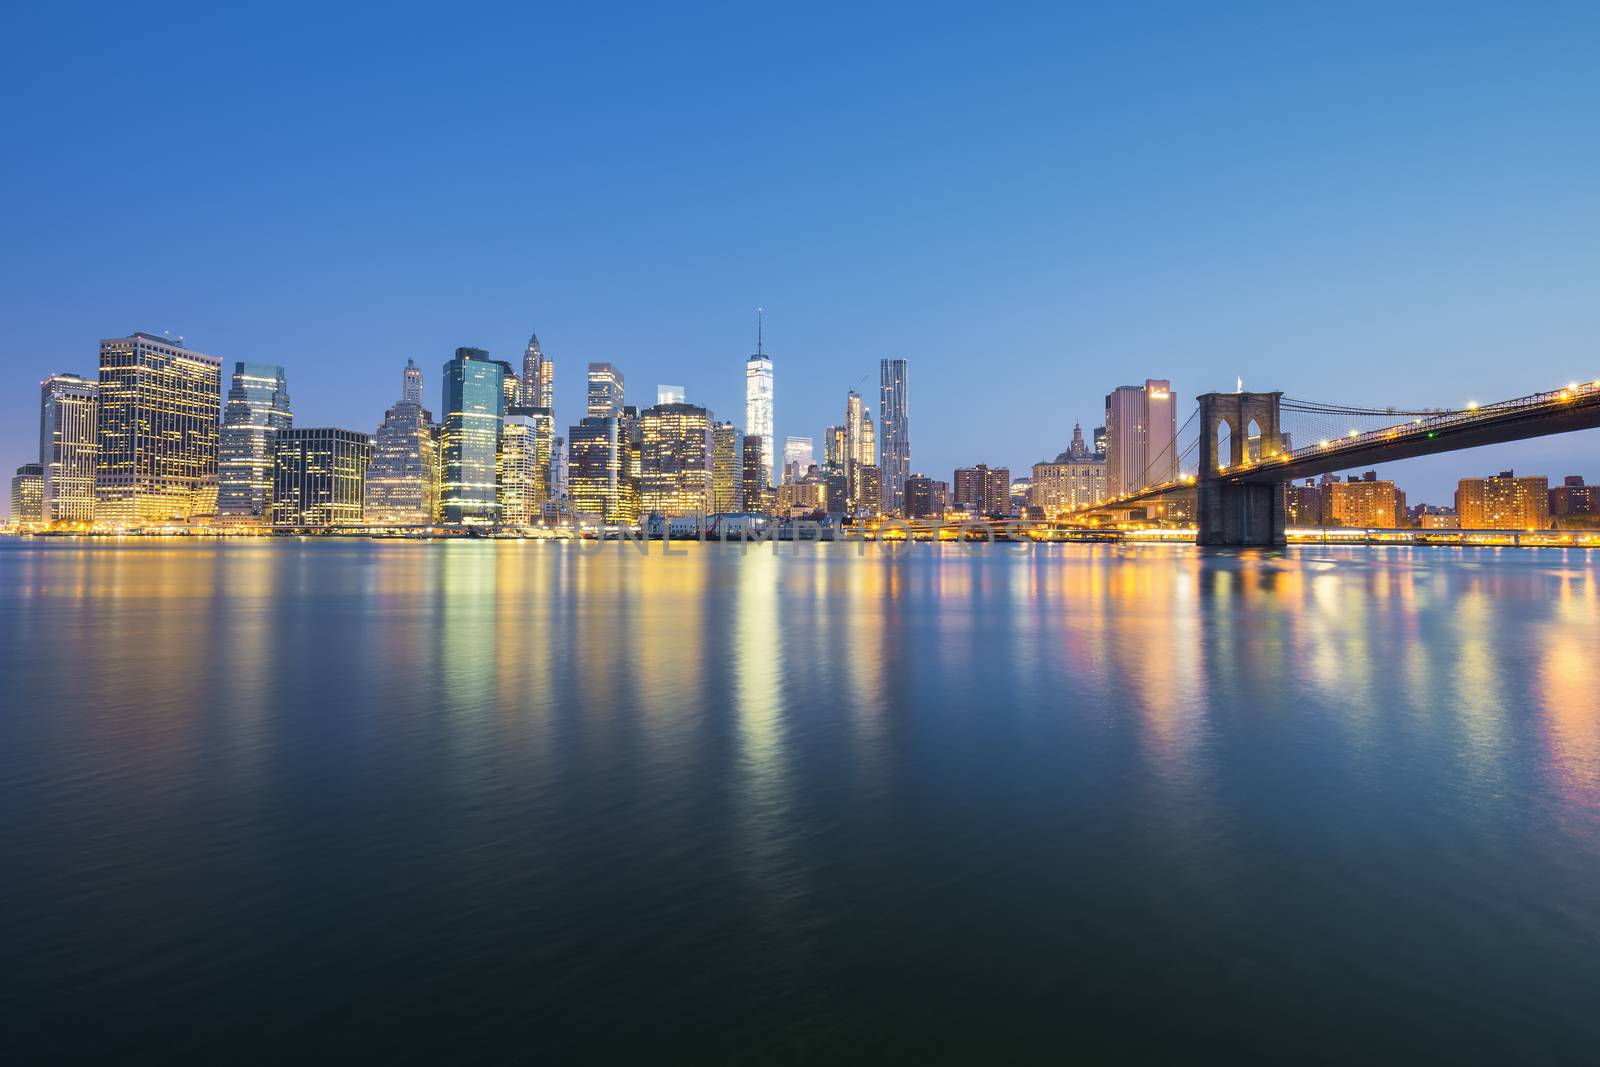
[{"x": 1033, "y": 204}]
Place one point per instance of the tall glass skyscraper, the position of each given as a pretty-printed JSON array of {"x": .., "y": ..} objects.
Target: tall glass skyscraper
[
  {"x": 894, "y": 424},
  {"x": 605, "y": 397},
  {"x": 257, "y": 408},
  {"x": 474, "y": 411},
  {"x": 1141, "y": 436},
  {"x": 403, "y": 479},
  {"x": 758, "y": 405},
  {"x": 319, "y": 477},
  {"x": 68, "y": 421},
  {"x": 538, "y": 377},
  {"x": 676, "y": 460},
  {"x": 157, "y": 432}
]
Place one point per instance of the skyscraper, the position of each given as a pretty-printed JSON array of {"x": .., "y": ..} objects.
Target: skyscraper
[
  {"x": 671, "y": 394},
  {"x": 257, "y": 408},
  {"x": 754, "y": 487},
  {"x": 676, "y": 476},
  {"x": 157, "y": 432},
  {"x": 517, "y": 487},
  {"x": 1141, "y": 436},
  {"x": 68, "y": 421},
  {"x": 598, "y": 482},
  {"x": 605, "y": 391},
  {"x": 27, "y": 495},
  {"x": 319, "y": 477},
  {"x": 894, "y": 422},
  {"x": 925, "y": 497},
  {"x": 797, "y": 458},
  {"x": 725, "y": 473},
  {"x": 403, "y": 479},
  {"x": 983, "y": 490},
  {"x": 474, "y": 407},
  {"x": 1504, "y": 502},
  {"x": 538, "y": 377},
  {"x": 758, "y": 420}
]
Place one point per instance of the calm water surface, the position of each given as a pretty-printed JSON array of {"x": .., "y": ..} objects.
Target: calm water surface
[{"x": 476, "y": 800}]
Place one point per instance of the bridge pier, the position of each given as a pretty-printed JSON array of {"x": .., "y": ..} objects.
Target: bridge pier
[{"x": 1228, "y": 510}]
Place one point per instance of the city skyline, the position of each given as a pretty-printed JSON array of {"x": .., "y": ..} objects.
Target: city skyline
[{"x": 1124, "y": 209}]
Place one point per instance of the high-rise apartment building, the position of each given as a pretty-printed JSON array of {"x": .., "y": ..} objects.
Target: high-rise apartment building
[
  {"x": 676, "y": 460},
  {"x": 725, "y": 472},
  {"x": 925, "y": 497},
  {"x": 1572, "y": 500},
  {"x": 157, "y": 430},
  {"x": 983, "y": 491},
  {"x": 894, "y": 423},
  {"x": 257, "y": 408},
  {"x": 474, "y": 409},
  {"x": 605, "y": 396},
  {"x": 68, "y": 443},
  {"x": 1504, "y": 502},
  {"x": 402, "y": 484},
  {"x": 1141, "y": 436},
  {"x": 538, "y": 377},
  {"x": 319, "y": 477},
  {"x": 758, "y": 418},
  {"x": 1364, "y": 502},
  {"x": 27, "y": 496}
]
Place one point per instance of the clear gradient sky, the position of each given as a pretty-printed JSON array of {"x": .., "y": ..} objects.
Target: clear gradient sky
[{"x": 1386, "y": 203}]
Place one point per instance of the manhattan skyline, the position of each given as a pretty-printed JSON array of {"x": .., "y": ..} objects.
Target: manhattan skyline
[{"x": 972, "y": 195}]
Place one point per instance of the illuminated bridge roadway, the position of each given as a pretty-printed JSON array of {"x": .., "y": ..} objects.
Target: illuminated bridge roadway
[{"x": 1242, "y": 503}]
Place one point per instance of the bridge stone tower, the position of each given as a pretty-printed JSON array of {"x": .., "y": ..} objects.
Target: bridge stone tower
[{"x": 1233, "y": 509}]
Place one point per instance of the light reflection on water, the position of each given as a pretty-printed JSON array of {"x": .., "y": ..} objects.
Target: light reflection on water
[{"x": 794, "y": 805}]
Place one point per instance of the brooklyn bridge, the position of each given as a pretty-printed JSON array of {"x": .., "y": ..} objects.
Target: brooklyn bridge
[{"x": 1246, "y": 447}]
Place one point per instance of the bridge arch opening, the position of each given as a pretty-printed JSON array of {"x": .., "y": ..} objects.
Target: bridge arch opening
[
  {"x": 1252, "y": 442},
  {"x": 1225, "y": 446}
]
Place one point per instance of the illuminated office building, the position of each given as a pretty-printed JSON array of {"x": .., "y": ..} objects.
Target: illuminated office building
[
  {"x": 1141, "y": 436},
  {"x": 598, "y": 483},
  {"x": 755, "y": 490},
  {"x": 1075, "y": 479},
  {"x": 157, "y": 429},
  {"x": 676, "y": 460},
  {"x": 895, "y": 426},
  {"x": 68, "y": 443},
  {"x": 1504, "y": 502},
  {"x": 257, "y": 408},
  {"x": 319, "y": 477},
  {"x": 474, "y": 407},
  {"x": 517, "y": 483},
  {"x": 27, "y": 496},
  {"x": 605, "y": 396},
  {"x": 758, "y": 417},
  {"x": 725, "y": 472},
  {"x": 797, "y": 458},
  {"x": 538, "y": 377},
  {"x": 403, "y": 479}
]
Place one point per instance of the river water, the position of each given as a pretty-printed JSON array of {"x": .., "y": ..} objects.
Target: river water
[{"x": 475, "y": 800}]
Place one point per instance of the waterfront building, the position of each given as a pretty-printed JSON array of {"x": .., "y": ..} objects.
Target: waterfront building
[
  {"x": 605, "y": 395},
  {"x": 1141, "y": 436},
  {"x": 869, "y": 478},
  {"x": 1303, "y": 504},
  {"x": 676, "y": 460},
  {"x": 474, "y": 409},
  {"x": 797, "y": 458},
  {"x": 755, "y": 490},
  {"x": 319, "y": 477},
  {"x": 1075, "y": 479},
  {"x": 519, "y": 491},
  {"x": 402, "y": 486},
  {"x": 599, "y": 484},
  {"x": 804, "y": 495},
  {"x": 538, "y": 377},
  {"x": 1573, "y": 503},
  {"x": 758, "y": 415},
  {"x": 1366, "y": 501},
  {"x": 983, "y": 491},
  {"x": 156, "y": 432},
  {"x": 257, "y": 408},
  {"x": 895, "y": 426},
  {"x": 725, "y": 469},
  {"x": 68, "y": 443},
  {"x": 27, "y": 496},
  {"x": 925, "y": 497},
  {"x": 1439, "y": 519},
  {"x": 1504, "y": 502}
]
